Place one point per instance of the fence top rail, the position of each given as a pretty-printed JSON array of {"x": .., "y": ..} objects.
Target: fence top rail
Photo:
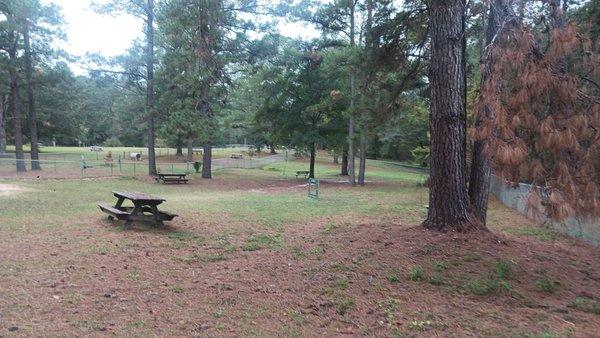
[{"x": 13, "y": 160}]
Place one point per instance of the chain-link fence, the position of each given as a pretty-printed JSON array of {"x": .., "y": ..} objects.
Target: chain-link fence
[{"x": 86, "y": 166}]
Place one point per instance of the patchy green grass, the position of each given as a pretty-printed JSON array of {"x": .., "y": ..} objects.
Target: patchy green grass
[
  {"x": 586, "y": 304},
  {"x": 246, "y": 249},
  {"x": 416, "y": 274},
  {"x": 258, "y": 242}
]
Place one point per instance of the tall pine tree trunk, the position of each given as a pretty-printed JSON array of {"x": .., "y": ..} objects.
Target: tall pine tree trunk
[
  {"x": 15, "y": 105},
  {"x": 362, "y": 166},
  {"x": 311, "y": 171},
  {"x": 2, "y": 126},
  {"x": 351, "y": 122},
  {"x": 33, "y": 133},
  {"x": 150, "y": 86},
  {"x": 448, "y": 198},
  {"x": 179, "y": 149},
  {"x": 499, "y": 16},
  {"x": 344, "y": 167},
  {"x": 207, "y": 160},
  {"x": 190, "y": 149}
]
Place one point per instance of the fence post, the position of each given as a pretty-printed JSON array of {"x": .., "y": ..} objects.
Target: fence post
[
  {"x": 134, "y": 169},
  {"x": 120, "y": 169},
  {"x": 111, "y": 169},
  {"x": 172, "y": 169}
]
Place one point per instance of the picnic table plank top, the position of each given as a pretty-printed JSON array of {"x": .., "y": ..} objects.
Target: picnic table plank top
[
  {"x": 138, "y": 196},
  {"x": 171, "y": 175}
]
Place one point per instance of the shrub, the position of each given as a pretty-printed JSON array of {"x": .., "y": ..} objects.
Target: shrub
[
  {"x": 420, "y": 156},
  {"x": 112, "y": 142}
]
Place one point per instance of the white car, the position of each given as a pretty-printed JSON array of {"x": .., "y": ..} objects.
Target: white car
[{"x": 95, "y": 148}]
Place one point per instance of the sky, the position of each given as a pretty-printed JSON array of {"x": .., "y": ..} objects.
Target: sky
[{"x": 89, "y": 32}]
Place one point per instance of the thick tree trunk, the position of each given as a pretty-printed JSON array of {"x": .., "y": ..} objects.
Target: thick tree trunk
[
  {"x": 448, "y": 199},
  {"x": 272, "y": 148},
  {"x": 351, "y": 122},
  {"x": 207, "y": 160},
  {"x": 479, "y": 182},
  {"x": 15, "y": 105},
  {"x": 344, "y": 167},
  {"x": 150, "y": 86},
  {"x": 311, "y": 170},
  {"x": 2, "y": 126},
  {"x": 179, "y": 150},
  {"x": 33, "y": 133},
  {"x": 190, "y": 149}
]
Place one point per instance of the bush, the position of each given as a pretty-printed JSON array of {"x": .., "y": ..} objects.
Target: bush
[
  {"x": 420, "y": 156},
  {"x": 112, "y": 142}
]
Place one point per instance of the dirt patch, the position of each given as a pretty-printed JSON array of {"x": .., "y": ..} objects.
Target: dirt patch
[{"x": 10, "y": 189}]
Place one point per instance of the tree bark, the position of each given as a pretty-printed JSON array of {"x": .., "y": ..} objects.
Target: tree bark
[
  {"x": 150, "y": 86},
  {"x": 448, "y": 198},
  {"x": 33, "y": 133},
  {"x": 207, "y": 160},
  {"x": 311, "y": 172},
  {"x": 362, "y": 165},
  {"x": 479, "y": 182},
  {"x": 351, "y": 123},
  {"x": 15, "y": 105},
  {"x": 2, "y": 126},
  {"x": 272, "y": 147},
  {"x": 179, "y": 150},
  {"x": 344, "y": 167},
  {"x": 190, "y": 149}
]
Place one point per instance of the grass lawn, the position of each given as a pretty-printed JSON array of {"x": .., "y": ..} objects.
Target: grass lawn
[{"x": 251, "y": 255}]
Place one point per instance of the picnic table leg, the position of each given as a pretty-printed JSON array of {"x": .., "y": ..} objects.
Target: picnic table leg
[
  {"x": 118, "y": 206},
  {"x": 136, "y": 210},
  {"x": 156, "y": 214}
]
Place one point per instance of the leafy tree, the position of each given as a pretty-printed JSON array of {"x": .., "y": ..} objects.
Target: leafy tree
[{"x": 145, "y": 10}]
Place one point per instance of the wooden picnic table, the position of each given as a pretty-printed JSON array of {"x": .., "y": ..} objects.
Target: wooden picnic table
[
  {"x": 145, "y": 209},
  {"x": 171, "y": 178}
]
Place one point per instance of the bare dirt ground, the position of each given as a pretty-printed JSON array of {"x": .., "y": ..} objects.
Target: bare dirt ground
[
  {"x": 333, "y": 276},
  {"x": 10, "y": 189}
]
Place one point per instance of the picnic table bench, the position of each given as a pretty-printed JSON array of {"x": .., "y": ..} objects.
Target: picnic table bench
[
  {"x": 145, "y": 209},
  {"x": 171, "y": 178},
  {"x": 302, "y": 173}
]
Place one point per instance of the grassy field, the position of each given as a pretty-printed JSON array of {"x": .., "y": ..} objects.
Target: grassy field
[{"x": 251, "y": 255}]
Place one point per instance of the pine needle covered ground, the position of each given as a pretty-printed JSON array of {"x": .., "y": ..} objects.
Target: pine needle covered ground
[{"x": 250, "y": 254}]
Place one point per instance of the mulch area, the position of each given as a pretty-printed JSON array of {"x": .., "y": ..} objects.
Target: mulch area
[{"x": 353, "y": 280}]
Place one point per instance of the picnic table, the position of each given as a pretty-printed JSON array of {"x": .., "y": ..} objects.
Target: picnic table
[
  {"x": 302, "y": 173},
  {"x": 171, "y": 178},
  {"x": 145, "y": 209}
]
